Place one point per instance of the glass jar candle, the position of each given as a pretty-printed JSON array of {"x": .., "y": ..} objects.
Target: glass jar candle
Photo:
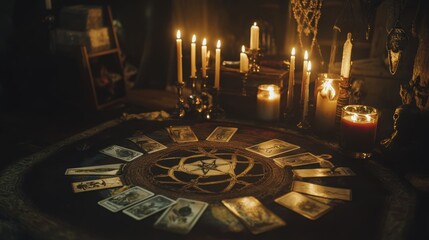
[
  {"x": 268, "y": 102},
  {"x": 358, "y": 130}
]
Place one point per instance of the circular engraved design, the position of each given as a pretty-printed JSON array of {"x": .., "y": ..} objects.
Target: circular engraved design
[{"x": 207, "y": 171}]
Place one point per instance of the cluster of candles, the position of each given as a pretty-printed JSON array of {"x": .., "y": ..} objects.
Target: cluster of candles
[
  {"x": 268, "y": 96},
  {"x": 244, "y": 62}
]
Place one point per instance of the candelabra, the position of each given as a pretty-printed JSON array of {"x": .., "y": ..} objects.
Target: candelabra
[
  {"x": 180, "y": 110},
  {"x": 214, "y": 111},
  {"x": 254, "y": 56},
  {"x": 244, "y": 83},
  {"x": 205, "y": 95},
  {"x": 194, "y": 101}
]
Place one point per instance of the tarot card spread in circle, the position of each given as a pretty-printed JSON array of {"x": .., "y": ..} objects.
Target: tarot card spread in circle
[
  {"x": 272, "y": 148},
  {"x": 149, "y": 207},
  {"x": 125, "y": 199},
  {"x": 121, "y": 153},
  {"x": 181, "y": 217}
]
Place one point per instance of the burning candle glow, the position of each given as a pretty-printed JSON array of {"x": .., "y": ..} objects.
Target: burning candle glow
[
  {"x": 193, "y": 54},
  {"x": 306, "y": 85},
  {"x": 358, "y": 130},
  {"x": 244, "y": 61},
  {"x": 291, "y": 83},
  {"x": 204, "y": 58},
  {"x": 217, "y": 65},
  {"x": 179, "y": 58},
  {"x": 326, "y": 105},
  {"x": 254, "y": 36},
  {"x": 268, "y": 102},
  {"x": 304, "y": 75}
]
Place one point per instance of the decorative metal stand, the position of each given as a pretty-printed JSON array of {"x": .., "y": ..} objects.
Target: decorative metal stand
[
  {"x": 194, "y": 101},
  {"x": 244, "y": 83},
  {"x": 205, "y": 96},
  {"x": 214, "y": 111},
  {"x": 180, "y": 110},
  {"x": 254, "y": 56}
]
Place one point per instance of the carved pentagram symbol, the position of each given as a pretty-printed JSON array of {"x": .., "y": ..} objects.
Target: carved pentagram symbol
[{"x": 206, "y": 171}]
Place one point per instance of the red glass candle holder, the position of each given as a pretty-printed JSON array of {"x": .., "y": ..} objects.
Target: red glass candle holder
[{"x": 358, "y": 130}]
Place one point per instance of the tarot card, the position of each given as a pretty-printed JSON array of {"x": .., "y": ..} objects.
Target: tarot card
[
  {"x": 181, "y": 217},
  {"x": 121, "y": 153},
  {"x": 149, "y": 207},
  {"x": 322, "y": 191},
  {"x": 109, "y": 169},
  {"x": 96, "y": 184},
  {"x": 255, "y": 216},
  {"x": 125, "y": 199},
  {"x": 297, "y": 160},
  {"x": 319, "y": 199},
  {"x": 182, "y": 134},
  {"x": 272, "y": 148},
  {"x": 303, "y": 205},
  {"x": 323, "y": 172},
  {"x": 222, "y": 134},
  {"x": 147, "y": 144}
]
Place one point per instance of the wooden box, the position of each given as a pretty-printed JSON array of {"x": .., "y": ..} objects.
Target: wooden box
[
  {"x": 81, "y": 17},
  {"x": 94, "y": 40}
]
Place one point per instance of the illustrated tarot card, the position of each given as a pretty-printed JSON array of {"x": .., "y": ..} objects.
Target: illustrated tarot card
[
  {"x": 222, "y": 134},
  {"x": 147, "y": 144},
  {"x": 97, "y": 184},
  {"x": 323, "y": 172},
  {"x": 322, "y": 191},
  {"x": 125, "y": 199},
  {"x": 149, "y": 207},
  {"x": 121, "y": 153},
  {"x": 297, "y": 160},
  {"x": 182, "y": 134},
  {"x": 303, "y": 205},
  {"x": 108, "y": 169},
  {"x": 181, "y": 217},
  {"x": 254, "y": 214},
  {"x": 272, "y": 148}
]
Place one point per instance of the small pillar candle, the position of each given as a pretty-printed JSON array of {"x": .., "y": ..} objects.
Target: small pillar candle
[
  {"x": 244, "y": 61},
  {"x": 326, "y": 101},
  {"x": 254, "y": 36},
  {"x": 268, "y": 102}
]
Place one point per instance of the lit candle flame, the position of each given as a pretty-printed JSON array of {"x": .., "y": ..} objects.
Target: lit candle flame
[
  {"x": 242, "y": 49},
  {"x": 293, "y": 52},
  {"x": 306, "y": 55},
  {"x": 271, "y": 94},
  {"x": 254, "y": 24},
  {"x": 328, "y": 90},
  {"x": 178, "y": 34},
  {"x": 194, "y": 38},
  {"x": 218, "y": 44},
  {"x": 204, "y": 42},
  {"x": 368, "y": 118},
  {"x": 309, "y": 66}
]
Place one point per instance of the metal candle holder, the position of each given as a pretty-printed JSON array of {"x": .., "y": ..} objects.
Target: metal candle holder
[
  {"x": 244, "y": 83},
  {"x": 214, "y": 111},
  {"x": 194, "y": 101},
  {"x": 254, "y": 56},
  {"x": 205, "y": 96},
  {"x": 180, "y": 110}
]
